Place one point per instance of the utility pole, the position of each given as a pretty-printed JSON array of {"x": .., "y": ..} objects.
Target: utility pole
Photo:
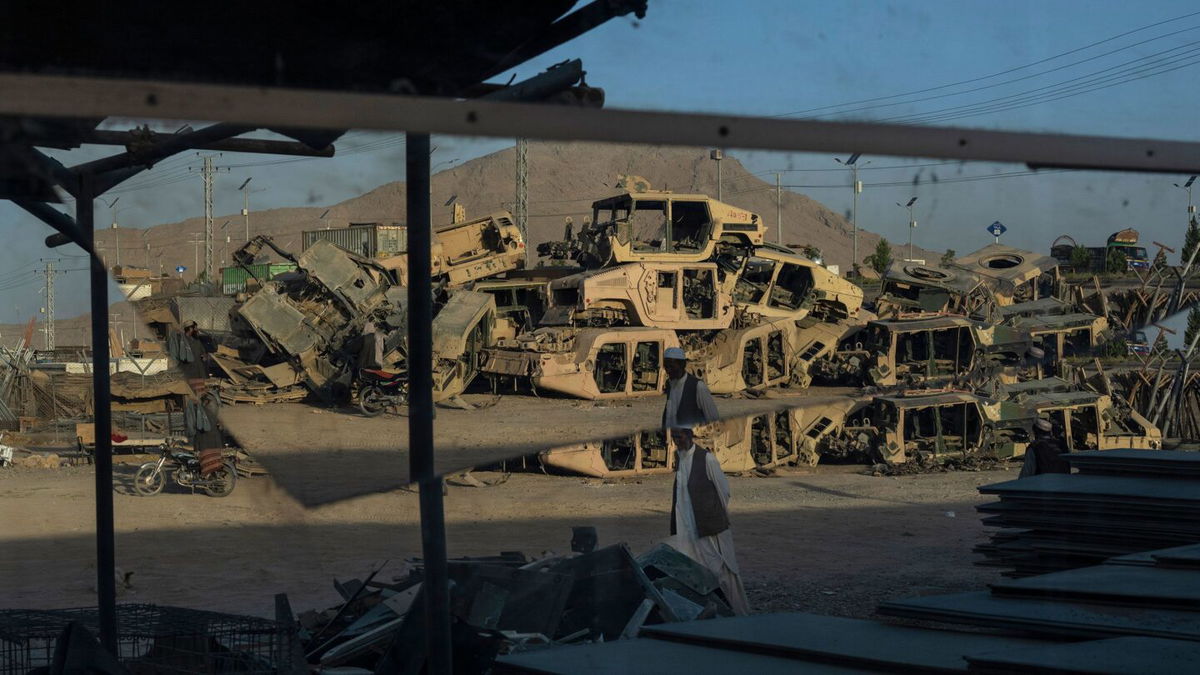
[
  {"x": 116, "y": 232},
  {"x": 855, "y": 189},
  {"x": 912, "y": 223},
  {"x": 521, "y": 207},
  {"x": 717, "y": 155},
  {"x": 778, "y": 209},
  {"x": 48, "y": 325},
  {"x": 246, "y": 205},
  {"x": 208, "y": 217},
  {"x": 196, "y": 242}
]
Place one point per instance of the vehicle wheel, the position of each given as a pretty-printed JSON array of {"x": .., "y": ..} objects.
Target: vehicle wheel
[
  {"x": 223, "y": 481},
  {"x": 148, "y": 481},
  {"x": 371, "y": 401}
]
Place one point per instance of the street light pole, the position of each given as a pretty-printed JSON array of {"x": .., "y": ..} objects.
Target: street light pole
[
  {"x": 246, "y": 205},
  {"x": 855, "y": 188},
  {"x": 912, "y": 224},
  {"x": 718, "y": 155}
]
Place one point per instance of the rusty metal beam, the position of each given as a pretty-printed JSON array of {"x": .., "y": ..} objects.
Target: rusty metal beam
[{"x": 38, "y": 95}]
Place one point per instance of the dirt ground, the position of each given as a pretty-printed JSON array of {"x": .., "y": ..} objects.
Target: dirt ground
[{"x": 830, "y": 541}]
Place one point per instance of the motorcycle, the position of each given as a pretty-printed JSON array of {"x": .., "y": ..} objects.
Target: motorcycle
[
  {"x": 381, "y": 389},
  {"x": 151, "y": 477}
]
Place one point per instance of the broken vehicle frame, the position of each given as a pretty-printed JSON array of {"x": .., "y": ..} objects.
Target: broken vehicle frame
[
  {"x": 468, "y": 251},
  {"x": 932, "y": 352},
  {"x": 656, "y": 226},
  {"x": 589, "y": 363},
  {"x": 788, "y": 436}
]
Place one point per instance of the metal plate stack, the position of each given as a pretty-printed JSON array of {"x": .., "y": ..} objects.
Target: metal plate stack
[{"x": 1120, "y": 502}]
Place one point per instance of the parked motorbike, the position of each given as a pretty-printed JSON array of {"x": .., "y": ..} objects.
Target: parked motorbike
[
  {"x": 151, "y": 477},
  {"x": 380, "y": 389}
]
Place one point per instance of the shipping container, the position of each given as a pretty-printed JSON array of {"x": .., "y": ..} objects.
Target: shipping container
[
  {"x": 233, "y": 279},
  {"x": 371, "y": 240}
]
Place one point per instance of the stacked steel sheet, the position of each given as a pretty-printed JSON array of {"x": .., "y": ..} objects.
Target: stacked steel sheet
[
  {"x": 1153, "y": 594},
  {"x": 1120, "y": 502}
]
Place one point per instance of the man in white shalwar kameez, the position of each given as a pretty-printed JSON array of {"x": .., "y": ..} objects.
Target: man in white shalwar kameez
[{"x": 700, "y": 516}]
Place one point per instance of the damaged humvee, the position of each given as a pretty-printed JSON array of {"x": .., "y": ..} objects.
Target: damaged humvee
[
  {"x": 750, "y": 315},
  {"x": 931, "y": 352},
  {"x": 590, "y": 363},
  {"x": 770, "y": 439},
  {"x": 338, "y": 312},
  {"x": 933, "y": 426},
  {"x": 976, "y": 284},
  {"x": 643, "y": 225},
  {"x": 468, "y": 251}
]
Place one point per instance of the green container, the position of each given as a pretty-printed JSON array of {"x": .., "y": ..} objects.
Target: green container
[{"x": 233, "y": 279}]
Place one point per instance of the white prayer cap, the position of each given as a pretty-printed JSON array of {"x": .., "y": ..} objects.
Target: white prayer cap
[{"x": 674, "y": 353}]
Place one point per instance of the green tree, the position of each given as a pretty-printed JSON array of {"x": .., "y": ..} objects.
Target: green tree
[
  {"x": 881, "y": 258},
  {"x": 1190, "y": 240},
  {"x": 948, "y": 257},
  {"x": 1193, "y": 326},
  {"x": 1081, "y": 259},
  {"x": 1115, "y": 262}
]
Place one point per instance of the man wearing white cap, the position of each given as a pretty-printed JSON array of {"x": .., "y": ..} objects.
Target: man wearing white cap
[
  {"x": 700, "y": 515},
  {"x": 689, "y": 402}
]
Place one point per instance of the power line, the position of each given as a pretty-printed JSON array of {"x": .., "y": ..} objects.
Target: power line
[
  {"x": 1029, "y": 98},
  {"x": 997, "y": 74}
]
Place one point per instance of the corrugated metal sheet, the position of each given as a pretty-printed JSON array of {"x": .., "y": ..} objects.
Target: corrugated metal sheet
[
  {"x": 372, "y": 240},
  {"x": 233, "y": 279},
  {"x": 210, "y": 314}
]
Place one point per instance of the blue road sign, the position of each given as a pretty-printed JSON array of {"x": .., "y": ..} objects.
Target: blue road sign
[
  {"x": 997, "y": 228},
  {"x": 180, "y": 269}
]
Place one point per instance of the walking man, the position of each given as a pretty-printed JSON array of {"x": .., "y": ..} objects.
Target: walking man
[
  {"x": 1044, "y": 454},
  {"x": 700, "y": 515},
  {"x": 689, "y": 402}
]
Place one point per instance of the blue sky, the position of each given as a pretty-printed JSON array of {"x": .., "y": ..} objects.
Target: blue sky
[{"x": 763, "y": 57}]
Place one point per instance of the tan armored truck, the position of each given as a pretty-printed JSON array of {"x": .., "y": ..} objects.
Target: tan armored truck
[
  {"x": 977, "y": 284},
  {"x": 684, "y": 296},
  {"x": 771, "y": 439},
  {"x": 938, "y": 425},
  {"x": 930, "y": 353},
  {"x": 468, "y": 251},
  {"x": 589, "y": 363},
  {"x": 644, "y": 225},
  {"x": 774, "y": 282}
]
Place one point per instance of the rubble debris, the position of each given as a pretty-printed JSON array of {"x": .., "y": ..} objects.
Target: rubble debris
[{"x": 508, "y": 603}]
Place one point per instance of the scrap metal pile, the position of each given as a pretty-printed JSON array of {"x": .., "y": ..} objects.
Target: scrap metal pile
[
  {"x": 942, "y": 358},
  {"x": 508, "y": 603}
]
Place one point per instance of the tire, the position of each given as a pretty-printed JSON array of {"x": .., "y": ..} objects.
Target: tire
[
  {"x": 147, "y": 483},
  {"x": 371, "y": 401},
  {"x": 225, "y": 478}
]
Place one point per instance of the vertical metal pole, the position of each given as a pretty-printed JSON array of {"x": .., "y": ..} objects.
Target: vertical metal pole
[
  {"x": 779, "y": 208},
  {"x": 720, "y": 183},
  {"x": 854, "y": 216},
  {"x": 208, "y": 218},
  {"x": 521, "y": 207},
  {"x": 106, "y": 585},
  {"x": 246, "y": 209},
  {"x": 420, "y": 412}
]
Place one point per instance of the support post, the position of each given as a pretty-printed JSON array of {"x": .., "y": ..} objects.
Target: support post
[
  {"x": 106, "y": 585},
  {"x": 420, "y": 415},
  {"x": 778, "y": 210}
]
